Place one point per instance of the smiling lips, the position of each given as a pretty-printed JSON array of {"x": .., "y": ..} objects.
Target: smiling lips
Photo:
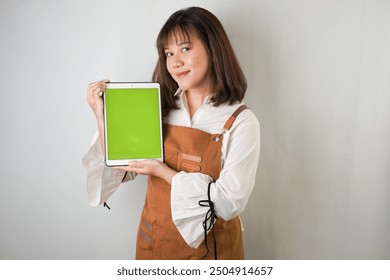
[{"x": 182, "y": 74}]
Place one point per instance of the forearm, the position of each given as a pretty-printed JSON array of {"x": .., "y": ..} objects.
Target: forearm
[
  {"x": 167, "y": 173},
  {"x": 95, "y": 100},
  {"x": 101, "y": 135}
]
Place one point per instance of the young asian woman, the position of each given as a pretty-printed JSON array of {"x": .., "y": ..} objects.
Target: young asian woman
[{"x": 211, "y": 146}]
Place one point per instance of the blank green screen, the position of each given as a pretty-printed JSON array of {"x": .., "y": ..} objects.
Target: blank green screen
[{"x": 133, "y": 123}]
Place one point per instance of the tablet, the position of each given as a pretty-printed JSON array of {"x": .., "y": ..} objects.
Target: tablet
[{"x": 132, "y": 122}]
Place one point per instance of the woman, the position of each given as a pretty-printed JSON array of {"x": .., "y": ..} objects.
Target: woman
[{"x": 211, "y": 146}]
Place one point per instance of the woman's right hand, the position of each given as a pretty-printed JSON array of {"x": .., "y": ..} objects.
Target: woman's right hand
[{"x": 94, "y": 98}]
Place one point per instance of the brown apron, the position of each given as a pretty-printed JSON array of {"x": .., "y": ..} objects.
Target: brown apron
[{"x": 191, "y": 150}]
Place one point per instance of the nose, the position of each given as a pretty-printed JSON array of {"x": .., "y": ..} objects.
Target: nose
[{"x": 177, "y": 61}]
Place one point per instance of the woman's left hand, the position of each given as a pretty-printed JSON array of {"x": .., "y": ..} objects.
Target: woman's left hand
[{"x": 150, "y": 167}]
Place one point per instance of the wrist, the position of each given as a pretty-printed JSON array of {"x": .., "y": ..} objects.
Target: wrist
[
  {"x": 167, "y": 173},
  {"x": 100, "y": 120}
]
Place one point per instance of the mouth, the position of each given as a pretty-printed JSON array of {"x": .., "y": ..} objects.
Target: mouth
[{"x": 182, "y": 74}]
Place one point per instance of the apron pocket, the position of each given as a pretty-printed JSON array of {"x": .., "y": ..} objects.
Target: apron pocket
[
  {"x": 190, "y": 167},
  {"x": 189, "y": 163},
  {"x": 173, "y": 246}
]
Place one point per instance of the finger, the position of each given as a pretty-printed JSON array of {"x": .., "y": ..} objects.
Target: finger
[
  {"x": 102, "y": 84},
  {"x": 137, "y": 164},
  {"x": 137, "y": 167},
  {"x": 125, "y": 168},
  {"x": 91, "y": 95},
  {"x": 101, "y": 81},
  {"x": 92, "y": 88},
  {"x": 134, "y": 169},
  {"x": 97, "y": 91}
]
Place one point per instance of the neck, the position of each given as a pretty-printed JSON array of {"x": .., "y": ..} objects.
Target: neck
[{"x": 194, "y": 101}]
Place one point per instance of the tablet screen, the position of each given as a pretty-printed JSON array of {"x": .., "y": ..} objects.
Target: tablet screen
[{"x": 132, "y": 122}]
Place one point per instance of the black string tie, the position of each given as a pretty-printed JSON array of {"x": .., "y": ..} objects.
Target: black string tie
[
  {"x": 124, "y": 177},
  {"x": 208, "y": 222}
]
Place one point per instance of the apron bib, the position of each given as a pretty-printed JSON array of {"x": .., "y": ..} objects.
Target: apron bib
[{"x": 191, "y": 150}]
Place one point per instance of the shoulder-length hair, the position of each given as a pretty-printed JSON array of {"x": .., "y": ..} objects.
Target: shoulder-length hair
[{"x": 229, "y": 80}]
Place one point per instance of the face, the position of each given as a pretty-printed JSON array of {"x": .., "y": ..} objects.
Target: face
[{"x": 188, "y": 63}]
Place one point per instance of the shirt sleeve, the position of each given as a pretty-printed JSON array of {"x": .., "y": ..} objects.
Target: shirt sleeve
[
  {"x": 102, "y": 181},
  {"x": 230, "y": 193}
]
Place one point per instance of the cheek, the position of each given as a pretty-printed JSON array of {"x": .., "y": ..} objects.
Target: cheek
[
  {"x": 200, "y": 62},
  {"x": 169, "y": 68},
  {"x": 202, "y": 67}
]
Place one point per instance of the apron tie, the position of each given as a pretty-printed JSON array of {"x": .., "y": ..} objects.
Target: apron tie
[
  {"x": 124, "y": 177},
  {"x": 209, "y": 221}
]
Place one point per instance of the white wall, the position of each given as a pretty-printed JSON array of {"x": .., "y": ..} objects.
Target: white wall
[{"x": 318, "y": 75}]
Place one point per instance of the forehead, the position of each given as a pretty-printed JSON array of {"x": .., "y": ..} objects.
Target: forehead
[{"x": 179, "y": 35}]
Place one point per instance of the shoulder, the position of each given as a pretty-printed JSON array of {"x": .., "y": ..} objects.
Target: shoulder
[
  {"x": 227, "y": 110},
  {"x": 246, "y": 117},
  {"x": 245, "y": 129},
  {"x": 245, "y": 122}
]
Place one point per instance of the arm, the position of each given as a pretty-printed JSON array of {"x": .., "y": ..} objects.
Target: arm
[
  {"x": 230, "y": 193},
  {"x": 95, "y": 100},
  {"x": 150, "y": 167},
  {"x": 102, "y": 181}
]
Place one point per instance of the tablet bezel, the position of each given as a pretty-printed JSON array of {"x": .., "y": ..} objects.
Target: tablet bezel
[{"x": 130, "y": 85}]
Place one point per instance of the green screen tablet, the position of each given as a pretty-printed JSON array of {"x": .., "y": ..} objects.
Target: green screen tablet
[{"x": 132, "y": 119}]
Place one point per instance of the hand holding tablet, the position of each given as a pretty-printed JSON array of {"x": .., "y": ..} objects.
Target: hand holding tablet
[{"x": 132, "y": 123}]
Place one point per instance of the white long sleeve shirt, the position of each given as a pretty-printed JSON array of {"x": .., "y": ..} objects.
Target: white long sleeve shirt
[{"x": 229, "y": 193}]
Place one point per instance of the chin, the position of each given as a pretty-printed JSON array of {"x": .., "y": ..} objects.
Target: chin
[{"x": 183, "y": 87}]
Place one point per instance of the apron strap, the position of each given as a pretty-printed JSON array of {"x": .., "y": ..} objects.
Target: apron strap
[
  {"x": 230, "y": 122},
  {"x": 233, "y": 117}
]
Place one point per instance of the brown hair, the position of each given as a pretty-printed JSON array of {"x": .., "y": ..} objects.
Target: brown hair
[{"x": 230, "y": 83}]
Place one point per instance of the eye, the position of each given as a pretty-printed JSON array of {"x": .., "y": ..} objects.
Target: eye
[
  {"x": 185, "y": 49},
  {"x": 168, "y": 54}
]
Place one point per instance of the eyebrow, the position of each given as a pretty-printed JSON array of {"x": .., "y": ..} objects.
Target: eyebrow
[{"x": 179, "y": 44}]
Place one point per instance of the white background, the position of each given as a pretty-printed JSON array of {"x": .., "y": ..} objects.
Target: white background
[{"x": 318, "y": 73}]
